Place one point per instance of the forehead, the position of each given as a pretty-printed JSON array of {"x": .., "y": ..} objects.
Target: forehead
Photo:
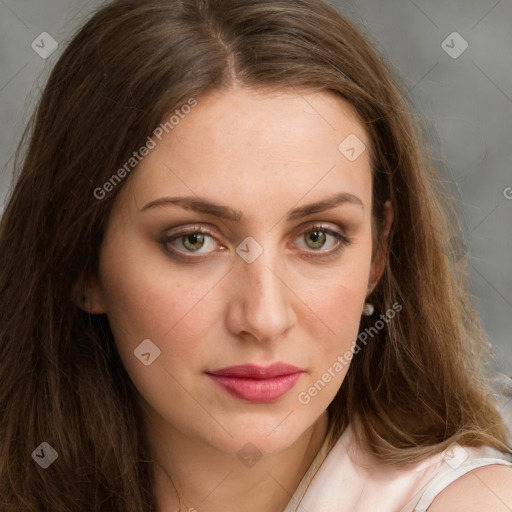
[{"x": 248, "y": 146}]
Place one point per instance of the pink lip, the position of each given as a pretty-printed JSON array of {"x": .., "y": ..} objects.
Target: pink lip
[{"x": 256, "y": 383}]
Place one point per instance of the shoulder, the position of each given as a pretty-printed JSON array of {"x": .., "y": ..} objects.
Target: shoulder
[{"x": 485, "y": 489}]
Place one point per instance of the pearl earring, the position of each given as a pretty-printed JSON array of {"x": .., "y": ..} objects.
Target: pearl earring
[{"x": 368, "y": 309}]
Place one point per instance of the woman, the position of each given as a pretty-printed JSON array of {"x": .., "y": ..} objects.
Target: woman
[{"x": 226, "y": 280}]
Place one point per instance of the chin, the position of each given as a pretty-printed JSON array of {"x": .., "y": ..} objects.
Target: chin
[{"x": 267, "y": 434}]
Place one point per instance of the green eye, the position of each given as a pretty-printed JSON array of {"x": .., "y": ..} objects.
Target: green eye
[
  {"x": 193, "y": 241},
  {"x": 317, "y": 237},
  {"x": 197, "y": 240}
]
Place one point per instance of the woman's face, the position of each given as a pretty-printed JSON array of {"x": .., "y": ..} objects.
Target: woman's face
[{"x": 246, "y": 265}]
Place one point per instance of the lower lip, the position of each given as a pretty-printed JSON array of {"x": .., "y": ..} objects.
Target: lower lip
[{"x": 257, "y": 390}]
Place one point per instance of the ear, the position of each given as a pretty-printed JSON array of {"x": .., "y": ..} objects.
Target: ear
[
  {"x": 379, "y": 258},
  {"x": 88, "y": 296}
]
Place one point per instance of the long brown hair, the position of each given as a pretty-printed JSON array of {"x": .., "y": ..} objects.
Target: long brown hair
[{"x": 417, "y": 387}]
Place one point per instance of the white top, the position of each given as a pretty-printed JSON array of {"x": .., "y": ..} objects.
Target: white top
[{"x": 350, "y": 480}]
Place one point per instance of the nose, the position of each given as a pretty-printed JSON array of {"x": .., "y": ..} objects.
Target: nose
[{"x": 260, "y": 305}]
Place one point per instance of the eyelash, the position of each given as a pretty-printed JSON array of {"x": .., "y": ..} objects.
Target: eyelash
[{"x": 343, "y": 242}]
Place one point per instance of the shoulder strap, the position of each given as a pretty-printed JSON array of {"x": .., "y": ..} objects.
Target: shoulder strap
[{"x": 449, "y": 476}]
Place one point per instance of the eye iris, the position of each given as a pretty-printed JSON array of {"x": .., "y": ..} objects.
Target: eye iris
[
  {"x": 317, "y": 237},
  {"x": 191, "y": 239}
]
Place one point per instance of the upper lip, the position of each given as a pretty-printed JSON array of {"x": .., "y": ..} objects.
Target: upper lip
[{"x": 252, "y": 371}]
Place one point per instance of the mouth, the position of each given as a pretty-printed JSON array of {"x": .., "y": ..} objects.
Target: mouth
[{"x": 257, "y": 384}]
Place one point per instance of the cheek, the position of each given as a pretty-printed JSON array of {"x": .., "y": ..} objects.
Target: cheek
[
  {"x": 151, "y": 302},
  {"x": 150, "y": 298},
  {"x": 333, "y": 308},
  {"x": 144, "y": 307},
  {"x": 338, "y": 294}
]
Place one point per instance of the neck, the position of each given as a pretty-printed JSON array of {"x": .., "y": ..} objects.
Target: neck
[{"x": 192, "y": 476}]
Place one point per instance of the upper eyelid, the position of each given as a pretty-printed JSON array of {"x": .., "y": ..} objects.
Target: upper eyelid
[{"x": 197, "y": 228}]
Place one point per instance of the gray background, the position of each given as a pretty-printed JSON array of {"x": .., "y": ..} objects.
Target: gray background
[{"x": 466, "y": 100}]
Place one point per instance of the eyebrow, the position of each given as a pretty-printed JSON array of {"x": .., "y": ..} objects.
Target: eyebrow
[{"x": 203, "y": 206}]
